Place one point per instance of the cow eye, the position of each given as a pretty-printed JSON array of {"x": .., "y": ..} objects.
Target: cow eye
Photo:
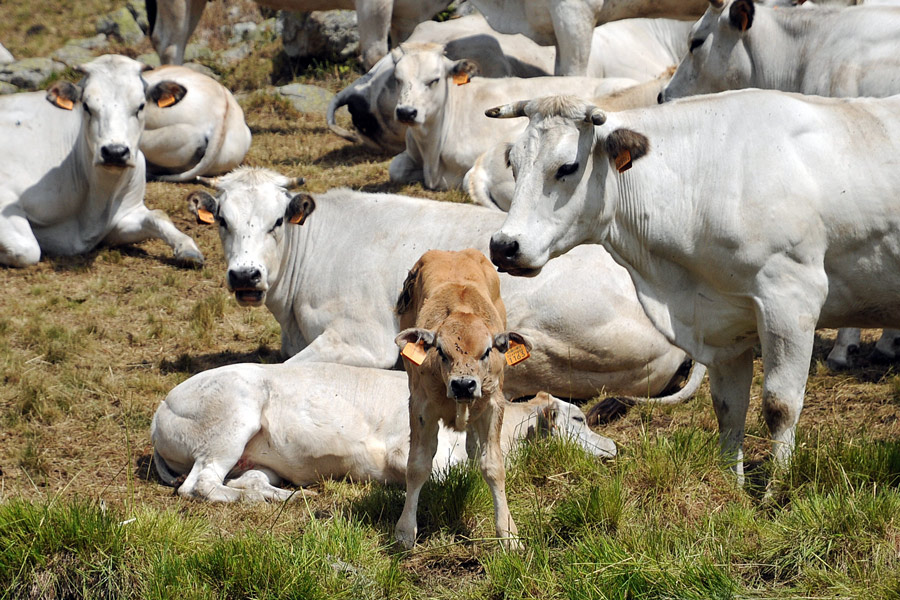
[
  {"x": 566, "y": 169},
  {"x": 140, "y": 109},
  {"x": 696, "y": 43},
  {"x": 277, "y": 224},
  {"x": 432, "y": 82},
  {"x": 441, "y": 353},
  {"x": 487, "y": 354},
  {"x": 578, "y": 419}
]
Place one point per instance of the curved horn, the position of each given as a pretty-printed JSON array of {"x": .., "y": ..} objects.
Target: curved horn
[
  {"x": 341, "y": 100},
  {"x": 595, "y": 115},
  {"x": 294, "y": 182},
  {"x": 507, "y": 111},
  {"x": 717, "y": 4},
  {"x": 210, "y": 182}
]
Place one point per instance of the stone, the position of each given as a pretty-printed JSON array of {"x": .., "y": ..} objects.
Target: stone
[
  {"x": 330, "y": 34},
  {"x": 8, "y": 88},
  {"x": 98, "y": 42},
  {"x": 306, "y": 98},
  {"x": 243, "y": 32},
  {"x": 72, "y": 56},
  {"x": 122, "y": 25},
  {"x": 30, "y": 73},
  {"x": 6, "y": 56},
  {"x": 197, "y": 51},
  {"x": 235, "y": 54},
  {"x": 150, "y": 59}
]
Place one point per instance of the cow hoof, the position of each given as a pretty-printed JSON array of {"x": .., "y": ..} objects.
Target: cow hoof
[
  {"x": 879, "y": 357},
  {"x": 190, "y": 257},
  {"x": 406, "y": 540},
  {"x": 511, "y": 544},
  {"x": 837, "y": 365}
]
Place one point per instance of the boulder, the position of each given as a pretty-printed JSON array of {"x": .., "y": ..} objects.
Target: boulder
[
  {"x": 330, "y": 34},
  {"x": 306, "y": 98},
  {"x": 72, "y": 56},
  {"x": 8, "y": 88},
  {"x": 30, "y": 73},
  {"x": 122, "y": 25},
  {"x": 98, "y": 42}
]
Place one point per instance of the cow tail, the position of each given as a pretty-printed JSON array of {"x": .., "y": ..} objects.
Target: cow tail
[
  {"x": 338, "y": 101},
  {"x": 209, "y": 157},
  {"x": 165, "y": 473}
]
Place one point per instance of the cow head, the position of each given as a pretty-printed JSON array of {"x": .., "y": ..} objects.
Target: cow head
[
  {"x": 468, "y": 358},
  {"x": 563, "y": 164},
  {"x": 252, "y": 208},
  {"x": 112, "y": 96},
  {"x": 423, "y": 75},
  {"x": 562, "y": 419},
  {"x": 718, "y": 58}
]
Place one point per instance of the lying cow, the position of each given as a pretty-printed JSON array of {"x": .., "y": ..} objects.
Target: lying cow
[
  {"x": 730, "y": 242},
  {"x": 71, "y": 173},
  {"x": 372, "y": 98},
  {"x": 202, "y": 132},
  {"x": 173, "y": 21},
  {"x": 827, "y": 52},
  {"x": 235, "y": 432},
  {"x": 332, "y": 284},
  {"x": 490, "y": 181},
  {"x": 569, "y": 25},
  {"x": 447, "y": 130},
  {"x": 454, "y": 339}
]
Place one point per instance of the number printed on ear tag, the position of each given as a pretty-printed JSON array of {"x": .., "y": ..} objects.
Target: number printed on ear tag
[
  {"x": 414, "y": 353},
  {"x": 516, "y": 353}
]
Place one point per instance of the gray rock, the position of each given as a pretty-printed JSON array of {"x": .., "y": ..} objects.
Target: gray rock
[
  {"x": 235, "y": 54},
  {"x": 6, "y": 56},
  {"x": 242, "y": 32},
  {"x": 98, "y": 42},
  {"x": 306, "y": 98},
  {"x": 197, "y": 51},
  {"x": 138, "y": 10},
  {"x": 30, "y": 73},
  {"x": 151, "y": 59},
  {"x": 122, "y": 25},
  {"x": 330, "y": 34},
  {"x": 72, "y": 56},
  {"x": 8, "y": 88}
]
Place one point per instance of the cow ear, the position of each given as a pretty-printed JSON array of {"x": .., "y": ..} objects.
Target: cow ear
[
  {"x": 203, "y": 206},
  {"x": 462, "y": 71},
  {"x": 625, "y": 146},
  {"x": 64, "y": 94},
  {"x": 414, "y": 335},
  {"x": 404, "y": 301},
  {"x": 166, "y": 93},
  {"x": 741, "y": 14},
  {"x": 502, "y": 341},
  {"x": 300, "y": 207}
]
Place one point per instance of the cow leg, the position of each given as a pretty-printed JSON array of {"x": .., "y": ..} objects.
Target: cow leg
[
  {"x": 179, "y": 146},
  {"x": 573, "y": 26},
  {"x": 846, "y": 344},
  {"x": 374, "y": 19},
  {"x": 258, "y": 484},
  {"x": 404, "y": 169},
  {"x": 888, "y": 345},
  {"x": 729, "y": 384},
  {"x": 423, "y": 439},
  {"x": 18, "y": 246},
  {"x": 487, "y": 433},
  {"x": 142, "y": 224}
]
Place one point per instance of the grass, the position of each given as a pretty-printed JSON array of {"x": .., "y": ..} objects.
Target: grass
[{"x": 90, "y": 345}]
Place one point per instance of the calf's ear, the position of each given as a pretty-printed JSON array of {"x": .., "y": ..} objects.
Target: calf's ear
[
  {"x": 741, "y": 14},
  {"x": 414, "y": 335},
  {"x": 166, "y": 93},
  {"x": 462, "y": 71},
  {"x": 300, "y": 207},
  {"x": 203, "y": 206},
  {"x": 64, "y": 94},
  {"x": 502, "y": 341},
  {"x": 625, "y": 146}
]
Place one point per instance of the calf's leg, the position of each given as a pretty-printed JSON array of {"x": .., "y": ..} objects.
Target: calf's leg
[{"x": 423, "y": 439}]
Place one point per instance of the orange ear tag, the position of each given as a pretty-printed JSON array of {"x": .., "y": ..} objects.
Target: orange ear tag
[
  {"x": 414, "y": 353},
  {"x": 623, "y": 161},
  {"x": 516, "y": 353},
  {"x": 205, "y": 216},
  {"x": 164, "y": 101},
  {"x": 461, "y": 78},
  {"x": 64, "y": 103},
  {"x": 297, "y": 219}
]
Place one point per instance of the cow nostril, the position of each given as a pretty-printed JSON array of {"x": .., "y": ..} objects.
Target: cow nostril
[
  {"x": 244, "y": 278},
  {"x": 406, "y": 114},
  {"x": 659, "y": 98},
  {"x": 463, "y": 387},
  {"x": 114, "y": 152},
  {"x": 505, "y": 249}
]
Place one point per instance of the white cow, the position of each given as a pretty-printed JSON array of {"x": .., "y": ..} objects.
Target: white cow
[
  {"x": 237, "y": 431},
  {"x": 490, "y": 181},
  {"x": 71, "y": 173},
  {"x": 827, "y": 52},
  {"x": 333, "y": 284},
  {"x": 173, "y": 21},
  {"x": 639, "y": 49},
  {"x": 372, "y": 98},
  {"x": 568, "y": 24},
  {"x": 444, "y": 111},
  {"x": 202, "y": 131},
  {"x": 749, "y": 217}
]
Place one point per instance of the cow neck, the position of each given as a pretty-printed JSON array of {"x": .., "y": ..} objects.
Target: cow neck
[
  {"x": 432, "y": 138},
  {"x": 778, "y": 46},
  {"x": 296, "y": 250}
]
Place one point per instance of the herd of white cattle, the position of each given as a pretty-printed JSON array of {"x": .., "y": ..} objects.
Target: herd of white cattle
[{"x": 641, "y": 215}]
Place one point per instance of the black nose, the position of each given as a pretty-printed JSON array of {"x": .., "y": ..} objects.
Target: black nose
[
  {"x": 659, "y": 98},
  {"x": 463, "y": 387},
  {"x": 244, "y": 278},
  {"x": 114, "y": 153},
  {"x": 406, "y": 114},
  {"x": 503, "y": 250}
]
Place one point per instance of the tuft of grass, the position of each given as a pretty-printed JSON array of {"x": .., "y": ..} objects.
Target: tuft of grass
[{"x": 206, "y": 313}]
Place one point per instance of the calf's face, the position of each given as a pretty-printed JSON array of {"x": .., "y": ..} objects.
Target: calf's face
[
  {"x": 464, "y": 354},
  {"x": 252, "y": 219}
]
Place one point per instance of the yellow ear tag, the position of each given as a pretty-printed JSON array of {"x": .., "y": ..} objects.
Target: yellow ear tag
[
  {"x": 205, "y": 216},
  {"x": 164, "y": 101},
  {"x": 623, "y": 161},
  {"x": 516, "y": 353},
  {"x": 461, "y": 78},
  {"x": 64, "y": 103},
  {"x": 414, "y": 353},
  {"x": 297, "y": 219}
]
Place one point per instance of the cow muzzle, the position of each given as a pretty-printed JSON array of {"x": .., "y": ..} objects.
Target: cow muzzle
[
  {"x": 506, "y": 256},
  {"x": 116, "y": 155},
  {"x": 464, "y": 389},
  {"x": 247, "y": 285},
  {"x": 407, "y": 114}
]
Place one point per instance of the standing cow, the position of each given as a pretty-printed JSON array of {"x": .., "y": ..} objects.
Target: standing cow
[
  {"x": 749, "y": 217},
  {"x": 71, "y": 173}
]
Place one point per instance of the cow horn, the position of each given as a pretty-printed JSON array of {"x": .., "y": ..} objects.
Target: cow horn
[
  {"x": 294, "y": 182},
  {"x": 595, "y": 115},
  {"x": 210, "y": 182},
  {"x": 717, "y": 4},
  {"x": 507, "y": 111}
]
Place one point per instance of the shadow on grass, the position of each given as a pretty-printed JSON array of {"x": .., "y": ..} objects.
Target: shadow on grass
[
  {"x": 352, "y": 154},
  {"x": 192, "y": 365}
]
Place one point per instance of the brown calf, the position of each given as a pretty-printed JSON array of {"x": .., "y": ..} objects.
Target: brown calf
[{"x": 454, "y": 338}]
